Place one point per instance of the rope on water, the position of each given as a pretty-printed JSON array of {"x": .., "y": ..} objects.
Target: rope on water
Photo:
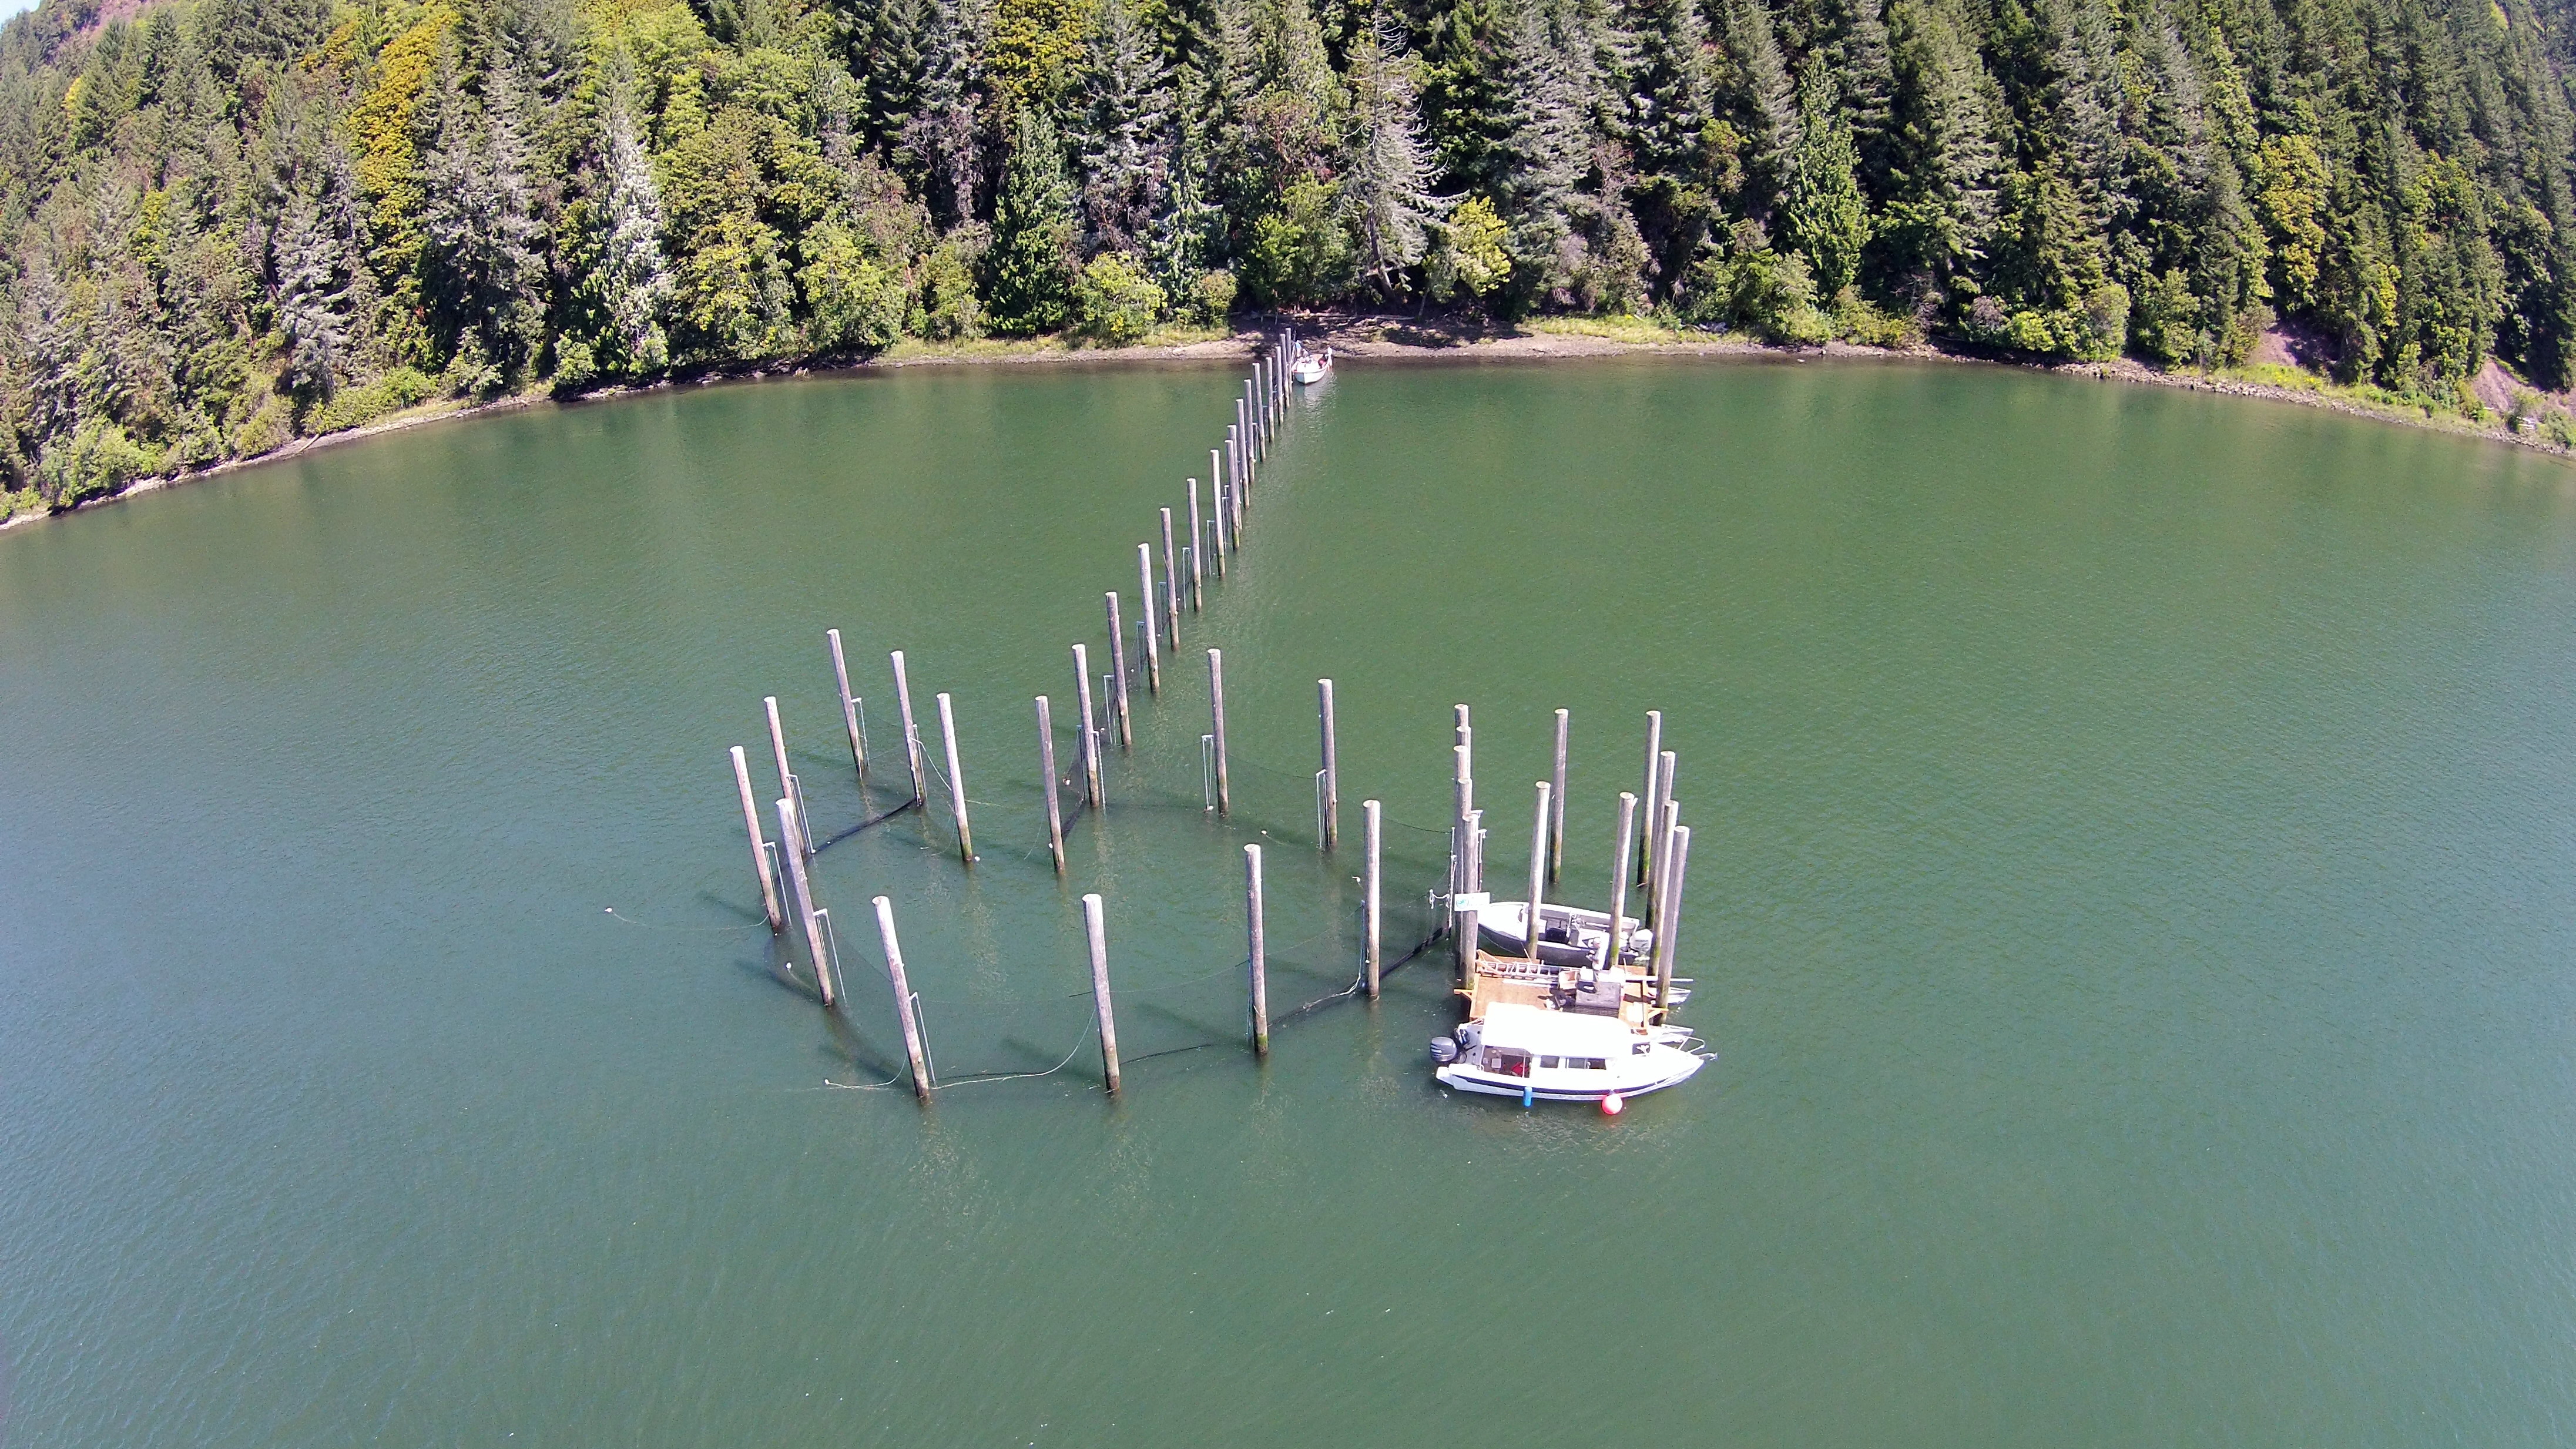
[{"x": 611, "y": 913}]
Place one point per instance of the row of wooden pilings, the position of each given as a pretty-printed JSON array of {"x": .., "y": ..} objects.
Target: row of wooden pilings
[
  {"x": 786, "y": 888},
  {"x": 1653, "y": 858}
]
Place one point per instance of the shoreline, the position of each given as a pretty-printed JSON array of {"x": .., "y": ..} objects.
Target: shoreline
[{"x": 1372, "y": 337}]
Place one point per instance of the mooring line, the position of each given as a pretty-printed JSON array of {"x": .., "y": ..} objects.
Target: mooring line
[{"x": 880, "y": 818}]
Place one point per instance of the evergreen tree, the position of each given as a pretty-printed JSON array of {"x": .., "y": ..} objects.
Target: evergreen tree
[
  {"x": 1824, "y": 216},
  {"x": 1124, "y": 175},
  {"x": 1388, "y": 181},
  {"x": 1944, "y": 158},
  {"x": 940, "y": 132},
  {"x": 1544, "y": 158},
  {"x": 1767, "y": 103},
  {"x": 484, "y": 253},
  {"x": 1030, "y": 269},
  {"x": 312, "y": 301},
  {"x": 633, "y": 282},
  {"x": 1868, "y": 85},
  {"x": 1465, "y": 103}
]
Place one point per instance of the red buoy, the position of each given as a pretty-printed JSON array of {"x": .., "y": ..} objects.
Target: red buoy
[{"x": 1611, "y": 1104}]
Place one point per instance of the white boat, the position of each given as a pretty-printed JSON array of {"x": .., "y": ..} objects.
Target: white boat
[
  {"x": 1566, "y": 936},
  {"x": 1310, "y": 367},
  {"x": 1542, "y": 1055},
  {"x": 1563, "y": 1034}
]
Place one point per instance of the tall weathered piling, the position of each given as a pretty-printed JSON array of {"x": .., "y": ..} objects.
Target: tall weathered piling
[
  {"x": 1373, "y": 892},
  {"x": 1556, "y": 823},
  {"x": 1096, "y": 933},
  {"x": 759, "y": 847},
  {"x": 1197, "y": 552},
  {"x": 1648, "y": 795},
  {"x": 791, "y": 846},
  {"x": 1329, "y": 797},
  {"x": 1171, "y": 590},
  {"x": 1537, "y": 866},
  {"x": 1091, "y": 791},
  {"x": 849, "y": 708},
  {"x": 1216, "y": 718},
  {"x": 1046, "y": 775},
  {"x": 956, "y": 782},
  {"x": 1118, "y": 676},
  {"x": 787, "y": 783},
  {"x": 1659, "y": 816},
  {"x": 1668, "y": 934},
  {"x": 1252, "y": 914},
  {"x": 911, "y": 731},
  {"x": 1619, "y": 880},
  {"x": 1221, "y": 495},
  {"x": 1462, "y": 912},
  {"x": 914, "y": 1049},
  {"x": 1145, "y": 612}
]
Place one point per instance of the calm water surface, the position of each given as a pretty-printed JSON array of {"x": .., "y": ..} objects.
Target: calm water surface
[{"x": 2135, "y": 858}]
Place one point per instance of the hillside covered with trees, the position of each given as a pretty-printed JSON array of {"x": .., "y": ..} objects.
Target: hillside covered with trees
[{"x": 224, "y": 223}]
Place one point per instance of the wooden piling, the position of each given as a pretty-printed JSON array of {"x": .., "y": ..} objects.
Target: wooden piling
[
  {"x": 1198, "y": 547},
  {"x": 1097, "y": 933},
  {"x": 1118, "y": 676},
  {"x": 1537, "y": 865},
  {"x": 1145, "y": 612},
  {"x": 1462, "y": 921},
  {"x": 1655, "y": 811},
  {"x": 1171, "y": 590},
  {"x": 778, "y": 746},
  {"x": 1234, "y": 482},
  {"x": 1647, "y": 794},
  {"x": 791, "y": 841},
  {"x": 1668, "y": 935},
  {"x": 1373, "y": 890},
  {"x": 1619, "y": 880},
  {"x": 1252, "y": 912},
  {"x": 759, "y": 847},
  {"x": 1219, "y": 494},
  {"x": 903, "y": 1004},
  {"x": 1556, "y": 823},
  {"x": 1216, "y": 716},
  {"x": 956, "y": 782},
  {"x": 849, "y": 708},
  {"x": 1046, "y": 775},
  {"x": 1664, "y": 824},
  {"x": 911, "y": 731},
  {"x": 1091, "y": 792},
  {"x": 1332, "y": 798}
]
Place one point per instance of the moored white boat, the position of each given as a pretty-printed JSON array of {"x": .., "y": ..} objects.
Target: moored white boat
[
  {"x": 1310, "y": 367},
  {"x": 1543, "y": 1055},
  {"x": 1567, "y": 936},
  {"x": 1563, "y": 1034}
]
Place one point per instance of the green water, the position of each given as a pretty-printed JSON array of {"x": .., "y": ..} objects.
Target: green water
[{"x": 2131, "y": 897}]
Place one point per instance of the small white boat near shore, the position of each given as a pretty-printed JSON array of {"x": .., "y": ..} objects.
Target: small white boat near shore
[{"x": 1310, "y": 367}]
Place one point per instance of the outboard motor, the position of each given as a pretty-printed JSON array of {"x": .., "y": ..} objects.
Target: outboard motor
[{"x": 1444, "y": 1050}]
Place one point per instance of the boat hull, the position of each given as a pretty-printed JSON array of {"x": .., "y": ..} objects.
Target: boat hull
[{"x": 1670, "y": 1067}]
